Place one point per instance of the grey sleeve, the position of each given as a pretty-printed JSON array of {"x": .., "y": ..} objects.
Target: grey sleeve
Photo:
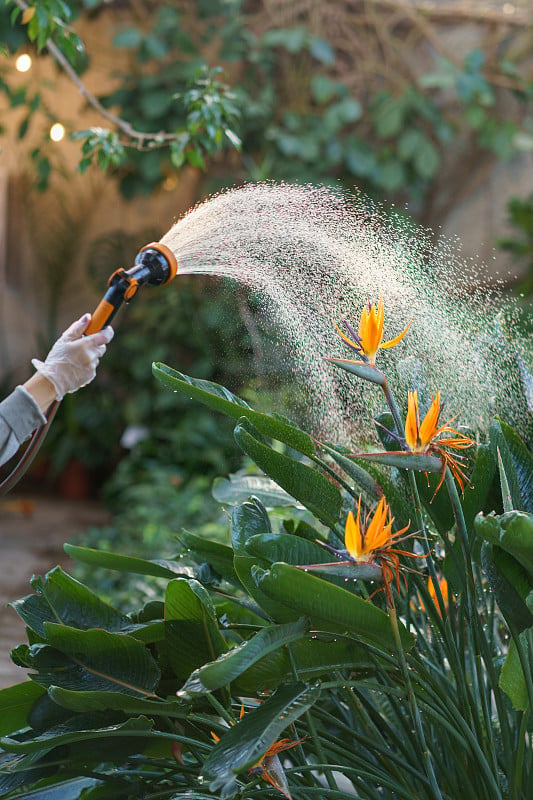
[{"x": 19, "y": 417}]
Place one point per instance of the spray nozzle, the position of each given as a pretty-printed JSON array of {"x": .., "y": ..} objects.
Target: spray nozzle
[{"x": 154, "y": 265}]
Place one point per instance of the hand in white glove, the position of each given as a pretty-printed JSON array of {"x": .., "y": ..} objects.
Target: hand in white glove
[{"x": 72, "y": 361}]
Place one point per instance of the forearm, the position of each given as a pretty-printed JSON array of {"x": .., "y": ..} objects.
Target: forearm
[
  {"x": 41, "y": 390},
  {"x": 20, "y": 415}
]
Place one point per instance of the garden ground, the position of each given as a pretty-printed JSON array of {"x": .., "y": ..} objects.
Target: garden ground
[{"x": 32, "y": 533}]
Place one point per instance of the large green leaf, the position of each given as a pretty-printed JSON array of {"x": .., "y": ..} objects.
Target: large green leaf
[
  {"x": 61, "y": 598},
  {"x": 510, "y": 584},
  {"x": 271, "y": 547},
  {"x": 251, "y": 519},
  {"x": 310, "y": 658},
  {"x": 218, "y": 556},
  {"x": 15, "y": 704},
  {"x": 231, "y": 665},
  {"x": 220, "y": 399},
  {"x": 481, "y": 481},
  {"x": 240, "y": 487},
  {"x": 329, "y": 607},
  {"x": 95, "y": 660},
  {"x": 512, "y": 531},
  {"x": 139, "y": 726},
  {"x": 247, "y": 741},
  {"x": 63, "y": 790},
  {"x": 517, "y": 462},
  {"x": 304, "y": 483},
  {"x": 192, "y": 634},
  {"x": 158, "y": 568},
  {"x": 86, "y": 700}
]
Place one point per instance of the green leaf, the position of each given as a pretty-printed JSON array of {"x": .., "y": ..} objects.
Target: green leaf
[
  {"x": 513, "y": 532},
  {"x": 248, "y": 520},
  {"x": 128, "y": 37},
  {"x": 63, "y": 790},
  {"x": 517, "y": 463},
  {"x": 139, "y": 726},
  {"x": 304, "y": 483},
  {"x": 86, "y": 700},
  {"x": 220, "y": 399},
  {"x": 321, "y": 50},
  {"x": 311, "y": 658},
  {"x": 159, "y": 568},
  {"x": 66, "y": 600},
  {"x": 481, "y": 479},
  {"x": 272, "y": 547},
  {"x": 510, "y": 584},
  {"x": 328, "y": 606},
  {"x": 427, "y": 160},
  {"x": 192, "y": 633},
  {"x": 231, "y": 665},
  {"x": 389, "y": 117},
  {"x": 512, "y": 679},
  {"x": 16, "y": 703},
  {"x": 324, "y": 88},
  {"x": 354, "y": 471},
  {"x": 218, "y": 556},
  {"x": 247, "y": 741},
  {"x": 240, "y": 487},
  {"x": 99, "y": 661}
]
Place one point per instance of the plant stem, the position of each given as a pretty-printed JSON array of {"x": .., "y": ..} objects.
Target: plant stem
[
  {"x": 310, "y": 722},
  {"x": 415, "y": 713}
]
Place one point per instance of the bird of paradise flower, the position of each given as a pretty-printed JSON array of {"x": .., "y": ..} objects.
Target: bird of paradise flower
[
  {"x": 372, "y": 541},
  {"x": 369, "y": 339},
  {"x": 429, "y": 437}
]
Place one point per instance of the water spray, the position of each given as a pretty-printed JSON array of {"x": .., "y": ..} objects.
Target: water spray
[{"x": 154, "y": 265}]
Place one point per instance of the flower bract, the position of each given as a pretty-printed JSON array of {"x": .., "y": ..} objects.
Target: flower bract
[{"x": 369, "y": 339}]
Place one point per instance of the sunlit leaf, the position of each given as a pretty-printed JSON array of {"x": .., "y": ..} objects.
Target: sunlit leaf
[{"x": 220, "y": 399}]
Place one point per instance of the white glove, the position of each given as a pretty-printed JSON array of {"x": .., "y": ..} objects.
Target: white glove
[{"x": 72, "y": 361}]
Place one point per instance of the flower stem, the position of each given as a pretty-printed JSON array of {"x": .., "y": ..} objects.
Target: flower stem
[{"x": 415, "y": 712}]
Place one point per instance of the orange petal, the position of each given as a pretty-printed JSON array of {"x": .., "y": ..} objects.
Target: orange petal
[
  {"x": 353, "y": 540},
  {"x": 392, "y": 342},
  {"x": 428, "y": 428},
  {"x": 412, "y": 421}
]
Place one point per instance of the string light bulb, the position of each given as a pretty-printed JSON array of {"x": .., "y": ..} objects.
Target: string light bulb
[
  {"x": 57, "y": 132},
  {"x": 23, "y": 62}
]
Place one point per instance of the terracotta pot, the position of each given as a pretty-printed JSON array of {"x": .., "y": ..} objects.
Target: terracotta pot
[{"x": 75, "y": 482}]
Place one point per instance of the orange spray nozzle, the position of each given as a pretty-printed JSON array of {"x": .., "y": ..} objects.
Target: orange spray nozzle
[{"x": 154, "y": 265}]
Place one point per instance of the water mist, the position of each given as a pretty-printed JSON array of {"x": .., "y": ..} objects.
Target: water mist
[{"x": 316, "y": 257}]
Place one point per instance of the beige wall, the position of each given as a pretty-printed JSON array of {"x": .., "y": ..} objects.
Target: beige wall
[
  {"x": 475, "y": 220},
  {"x": 29, "y": 220}
]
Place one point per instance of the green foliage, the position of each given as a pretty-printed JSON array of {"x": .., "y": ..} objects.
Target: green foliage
[
  {"x": 520, "y": 245},
  {"x": 277, "y": 632},
  {"x": 292, "y": 111}
]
